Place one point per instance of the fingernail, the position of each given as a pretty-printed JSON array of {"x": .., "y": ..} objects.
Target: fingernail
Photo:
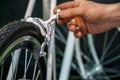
[
  {"x": 79, "y": 34},
  {"x": 77, "y": 28},
  {"x": 72, "y": 28},
  {"x": 62, "y": 14}
]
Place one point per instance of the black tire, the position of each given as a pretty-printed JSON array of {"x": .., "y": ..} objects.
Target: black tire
[{"x": 16, "y": 30}]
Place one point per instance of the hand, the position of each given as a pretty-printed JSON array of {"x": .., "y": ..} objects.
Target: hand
[{"x": 89, "y": 17}]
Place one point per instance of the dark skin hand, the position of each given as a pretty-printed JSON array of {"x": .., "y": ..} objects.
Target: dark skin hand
[{"x": 89, "y": 17}]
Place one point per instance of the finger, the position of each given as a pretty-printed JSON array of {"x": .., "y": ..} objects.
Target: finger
[
  {"x": 72, "y": 25},
  {"x": 69, "y": 13},
  {"x": 78, "y": 34},
  {"x": 62, "y": 20},
  {"x": 72, "y": 28},
  {"x": 80, "y": 22},
  {"x": 66, "y": 5}
]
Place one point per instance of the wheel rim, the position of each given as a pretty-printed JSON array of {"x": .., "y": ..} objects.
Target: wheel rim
[{"x": 16, "y": 46}]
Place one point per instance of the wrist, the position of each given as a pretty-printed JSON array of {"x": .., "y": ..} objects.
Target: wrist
[{"x": 113, "y": 13}]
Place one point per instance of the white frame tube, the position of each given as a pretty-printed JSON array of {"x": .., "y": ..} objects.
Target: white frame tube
[
  {"x": 53, "y": 4},
  {"x": 51, "y": 64},
  {"x": 30, "y": 8},
  {"x": 92, "y": 49},
  {"x": 68, "y": 55},
  {"x": 78, "y": 56},
  {"x": 46, "y": 9},
  {"x": 13, "y": 65}
]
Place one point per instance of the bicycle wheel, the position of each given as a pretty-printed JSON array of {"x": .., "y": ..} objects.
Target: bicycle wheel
[
  {"x": 20, "y": 44},
  {"x": 103, "y": 53}
]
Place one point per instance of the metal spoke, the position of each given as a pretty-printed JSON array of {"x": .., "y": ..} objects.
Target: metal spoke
[
  {"x": 116, "y": 67},
  {"x": 92, "y": 49},
  {"x": 79, "y": 59},
  {"x": 60, "y": 36},
  {"x": 108, "y": 47},
  {"x": 105, "y": 42},
  {"x": 114, "y": 76},
  {"x": 112, "y": 60},
  {"x": 28, "y": 65},
  {"x": 2, "y": 67},
  {"x": 16, "y": 69},
  {"x": 12, "y": 65},
  {"x": 113, "y": 50},
  {"x": 103, "y": 77},
  {"x": 111, "y": 70},
  {"x": 35, "y": 67},
  {"x": 26, "y": 52},
  {"x": 38, "y": 75}
]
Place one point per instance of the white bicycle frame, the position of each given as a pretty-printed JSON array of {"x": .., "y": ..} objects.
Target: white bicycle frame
[
  {"x": 72, "y": 44},
  {"x": 65, "y": 70}
]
